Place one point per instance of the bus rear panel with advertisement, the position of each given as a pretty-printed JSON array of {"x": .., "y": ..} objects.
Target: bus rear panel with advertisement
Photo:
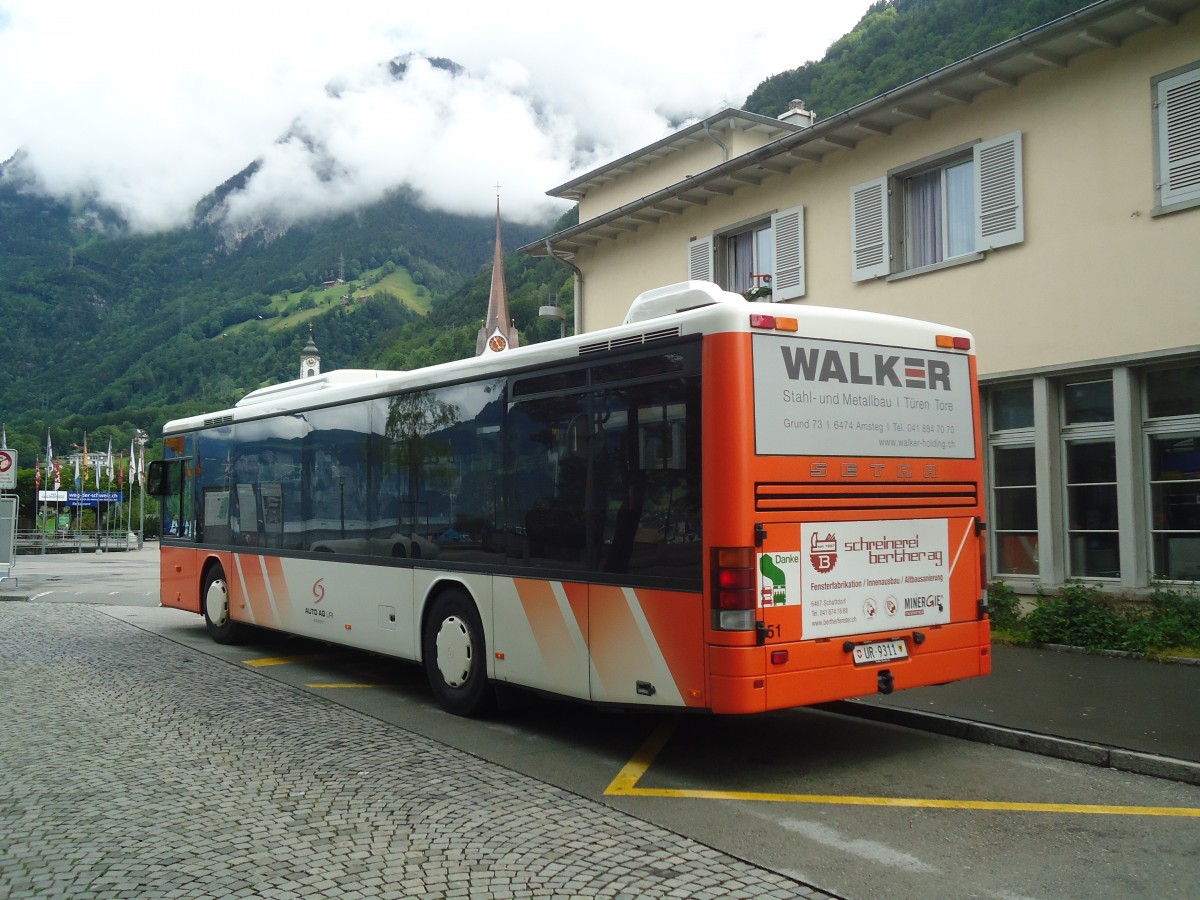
[{"x": 718, "y": 505}]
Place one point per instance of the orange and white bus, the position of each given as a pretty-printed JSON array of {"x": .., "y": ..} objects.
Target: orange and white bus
[{"x": 719, "y": 505}]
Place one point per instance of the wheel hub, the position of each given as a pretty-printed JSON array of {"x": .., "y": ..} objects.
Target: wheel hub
[
  {"x": 455, "y": 652},
  {"x": 216, "y": 603}
]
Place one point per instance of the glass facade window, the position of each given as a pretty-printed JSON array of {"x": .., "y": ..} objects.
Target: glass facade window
[
  {"x": 1173, "y": 392},
  {"x": 1175, "y": 505},
  {"x": 1092, "y": 526},
  {"x": 1088, "y": 402},
  {"x": 1012, "y": 407},
  {"x": 1014, "y": 510}
]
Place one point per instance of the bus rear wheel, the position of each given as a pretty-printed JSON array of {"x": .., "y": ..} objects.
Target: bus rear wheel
[
  {"x": 453, "y": 650},
  {"x": 214, "y": 597}
]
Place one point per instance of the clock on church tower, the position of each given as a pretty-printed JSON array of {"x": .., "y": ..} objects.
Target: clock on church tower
[{"x": 310, "y": 358}]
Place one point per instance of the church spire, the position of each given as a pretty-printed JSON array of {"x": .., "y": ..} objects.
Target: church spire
[{"x": 498, "y": 332}]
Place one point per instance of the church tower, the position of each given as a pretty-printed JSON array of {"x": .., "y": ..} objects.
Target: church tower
[
  {"x": 498, "y": 332},
  {"x": 310, "y": 358}
]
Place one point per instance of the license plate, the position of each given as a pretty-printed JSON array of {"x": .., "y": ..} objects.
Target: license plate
[{"x": 881, "y": 651}]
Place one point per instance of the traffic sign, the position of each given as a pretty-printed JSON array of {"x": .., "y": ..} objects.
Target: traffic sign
[{"x": 8, "y": 469}]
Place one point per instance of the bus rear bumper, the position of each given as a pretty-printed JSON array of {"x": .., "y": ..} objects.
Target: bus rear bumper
[{"x": 744, "y": 680}]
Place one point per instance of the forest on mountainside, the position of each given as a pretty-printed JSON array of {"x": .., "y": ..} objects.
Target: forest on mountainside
[
  {"x": 106, "y": 331},
  {"x": 898, "y": 41}
]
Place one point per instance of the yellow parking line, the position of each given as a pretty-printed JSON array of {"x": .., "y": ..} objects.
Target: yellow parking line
[
  {"x": 625, "y": 784},
  {"x": 282, "y": 660},
  {"x": 343, "y": 685}
]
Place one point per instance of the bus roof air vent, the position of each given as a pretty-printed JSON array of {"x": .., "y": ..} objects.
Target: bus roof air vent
[
  {"x": 629, "y": 340},
  {"x": 676, "y": 298}
]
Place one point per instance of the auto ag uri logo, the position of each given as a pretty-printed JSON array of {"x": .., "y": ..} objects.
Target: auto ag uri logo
[
  {"x": 823, "y": 553},
  {"x": 311, "y": 610}
]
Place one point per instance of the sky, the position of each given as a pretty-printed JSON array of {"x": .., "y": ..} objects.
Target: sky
[{"x": 148, "y": 105}]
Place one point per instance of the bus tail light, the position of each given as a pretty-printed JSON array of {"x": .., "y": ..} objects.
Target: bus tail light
[
  {"x": 950, "y": 342},
  {"x": 734, "y": 597},
  {"x": 778, "y": 323}
]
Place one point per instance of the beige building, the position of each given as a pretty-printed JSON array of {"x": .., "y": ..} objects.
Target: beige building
[{"x": 1044, "y": 194}]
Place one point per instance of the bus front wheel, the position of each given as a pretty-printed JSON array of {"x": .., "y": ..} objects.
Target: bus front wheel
[
  {"x": 215, "y": 599},
  {"x": 453, "y": 651}
]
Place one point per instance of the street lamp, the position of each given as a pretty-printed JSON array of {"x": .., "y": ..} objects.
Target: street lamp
[{"x": 552, "y": 311}]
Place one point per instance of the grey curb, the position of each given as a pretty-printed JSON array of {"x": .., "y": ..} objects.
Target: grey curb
[{"x": 1028, "y": 741}]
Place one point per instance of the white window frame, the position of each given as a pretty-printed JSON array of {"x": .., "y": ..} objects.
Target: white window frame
[
  {"x": 788, "y": 269},
  {"x": 877, "y": 222}
]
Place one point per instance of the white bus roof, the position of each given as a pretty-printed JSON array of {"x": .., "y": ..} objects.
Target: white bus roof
[{"x": 674, "y": 311}]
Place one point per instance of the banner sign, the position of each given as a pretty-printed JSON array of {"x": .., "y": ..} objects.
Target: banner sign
[
  {"x": 91, "y": 498},
  {"x": 836, "y": 398},
  {"x": 861, "y": 577}
]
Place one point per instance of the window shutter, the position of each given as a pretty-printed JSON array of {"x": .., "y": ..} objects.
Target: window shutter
[
  {"x": 787, "y": 230},
  {"x": 700, "y": 259},
  {"x": 998, "y": 193},
  {"x": 871, "y": 250},
  {"x": 1178, "y": 123}
]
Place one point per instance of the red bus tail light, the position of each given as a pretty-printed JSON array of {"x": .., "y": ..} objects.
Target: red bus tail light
[{"x": 734, "y": 593}]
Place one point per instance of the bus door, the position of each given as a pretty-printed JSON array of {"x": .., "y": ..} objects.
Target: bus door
[{"x": 171, "y": 481}]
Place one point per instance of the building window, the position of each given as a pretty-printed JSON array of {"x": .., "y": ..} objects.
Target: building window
[
  {"x": 1175, "y": 506},
  {"x": 763, "y": 260},
  {"x": 948, "y": 208},
  {"x": 939, "y": 214},
  {"x": 1173, "y": 392},
  {"x": 1090, "y": 466},
  {"x": 1092, "y": 530},
  {"x": 745, "y": 259},
  {"x": 1012, "y": 407},
  {"x": 1014, "y": 510},
  {"x": 1014, "y": 515},
  {"x": 1172, "y": 403},
  {"x": 1088, "y": 402},
  {"x": 1176, "y": 112}
]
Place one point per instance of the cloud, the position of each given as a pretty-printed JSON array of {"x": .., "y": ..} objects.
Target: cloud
[{"x": 147, "y": 106}]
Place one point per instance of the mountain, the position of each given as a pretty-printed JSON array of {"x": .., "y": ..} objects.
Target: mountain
[
  {"x": 896, "y": 42},
  {"x": 105, "y": 331}
]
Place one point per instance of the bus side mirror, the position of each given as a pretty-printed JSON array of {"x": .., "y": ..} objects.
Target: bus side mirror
[{"x": 156, "y": 478}]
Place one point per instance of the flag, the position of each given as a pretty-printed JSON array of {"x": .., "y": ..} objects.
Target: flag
[
  {"x": 121, "y": 474},
  {"x": 141, "y": 465},
  {"x": 78, "y": 480},
  {"x": 37, "y": 474},
  {"x": 49, "y": 457},
  {"x": 85, "y": 457},
  {"x": 110, "y": 465},
  {"x": 132, "y": 464},
  {"x": 58, "y": 474}
]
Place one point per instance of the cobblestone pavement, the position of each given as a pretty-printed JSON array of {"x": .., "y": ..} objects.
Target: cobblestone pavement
[{"x": 131, "y": 767}]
